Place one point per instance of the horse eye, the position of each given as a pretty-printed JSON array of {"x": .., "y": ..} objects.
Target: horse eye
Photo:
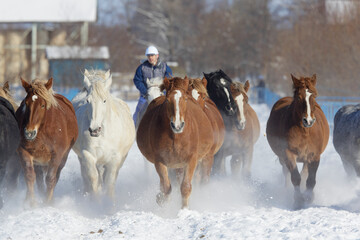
[
  {"x": 105, "y": 101},
  {"x": 43, "y": 106},
  {"x": 87, "y": 100}
]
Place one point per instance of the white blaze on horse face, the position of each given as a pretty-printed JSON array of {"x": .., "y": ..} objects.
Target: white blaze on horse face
[
  {"x": 34, "y": 97},
  {"x": 223, "y": 82},
  {"x": 195, "y": 94},
  {"x": 177, "y": 108},
  {"x": 97, "y": 112},
  {"x": 308, "y": 109},
  {"x": 240, "y": 103}
]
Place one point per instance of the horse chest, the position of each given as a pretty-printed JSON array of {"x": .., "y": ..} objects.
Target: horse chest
[{"x": 40, "y": 153}]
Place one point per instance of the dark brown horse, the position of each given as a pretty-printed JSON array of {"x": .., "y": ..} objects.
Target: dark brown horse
[
  {"x": 197, "y": 88},
  {"x": 246, "y": 130},
  {"x": 175, "y": 133},
  {"x": 48, "y": 128},
  {"x": 298, "y": 131}
]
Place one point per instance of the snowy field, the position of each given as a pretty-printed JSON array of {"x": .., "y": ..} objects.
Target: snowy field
[{"x": 224, "y": 209}]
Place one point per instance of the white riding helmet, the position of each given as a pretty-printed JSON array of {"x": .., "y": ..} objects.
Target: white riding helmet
[{"x": 151, "y": 50}]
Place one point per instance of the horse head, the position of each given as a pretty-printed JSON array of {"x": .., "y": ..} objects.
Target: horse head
[
  {"x": 176, "y": 99},
  {"x": 218, "y": 88},
  {"x": 39, "y": 99},
  {"x": 153, "y": 85},
  {"x": 239, "y": 93},
  {"x": 97, "y": 84},
  {"x": 304, "y": 99}
]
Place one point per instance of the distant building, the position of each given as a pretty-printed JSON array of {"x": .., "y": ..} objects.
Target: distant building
[{"x": 67, "y": 63}]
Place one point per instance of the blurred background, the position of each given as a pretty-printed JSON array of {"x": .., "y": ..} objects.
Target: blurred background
[{"x": 258, "y": 40}]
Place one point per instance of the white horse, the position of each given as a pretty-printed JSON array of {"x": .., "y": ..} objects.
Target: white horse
[
  {"x": 153, "y": 92},
  {"x": 106, "y": 132}
]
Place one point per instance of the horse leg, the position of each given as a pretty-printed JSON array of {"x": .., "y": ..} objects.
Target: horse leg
[
  {"x": 219, "y": 164},
  {"x": 39, "y": 171},
  {"x": 247, "y": 162},
  {"x": 186, "y": 183},
  {"x": 205, "y": 168},
  {"x": 13, "y": 169},
  {"x": 2, "y": 173},
  {"x": 311, "y": 180},
  {"x": 89, "y": 174},
  {"x": 236, "y": 164},
  {"x": 286, "y": 173},
  {"x": 295, "y": 178},
  {"x": 304, "y": 175},
  {"x": 110, "y": 176},
  {"x": 165, "y": 186},
  {"x": 51, "y": 179},
  {"x": 28, "y": 166}
]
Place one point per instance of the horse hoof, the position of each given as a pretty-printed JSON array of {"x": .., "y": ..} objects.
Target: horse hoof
[
  {"x": 309, "y": 196},
  {"x": 161, "y": 198}
]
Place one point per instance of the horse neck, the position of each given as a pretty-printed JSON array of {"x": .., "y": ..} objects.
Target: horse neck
[{"x": 153, "y": 92}]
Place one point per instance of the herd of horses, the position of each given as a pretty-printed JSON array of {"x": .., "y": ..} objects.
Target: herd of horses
[{"x": 189, "y": 127}]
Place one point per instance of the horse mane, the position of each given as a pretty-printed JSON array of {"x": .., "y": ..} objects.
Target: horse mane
[
  {"x": 305, "y": 83},
  {"x": 48, "y": 95},
  {"x": 197, "y": 84},
  {"x": 175, "y": 82},
  {"x": 5, "y": 93},
  {"x": 97, "y": 79},
  {"x": 220, "y": 73}
]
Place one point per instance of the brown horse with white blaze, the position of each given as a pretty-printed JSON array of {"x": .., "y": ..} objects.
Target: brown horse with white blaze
[
  {"x": 175, "y": 133},
  {"x": 246, "y": 131},
  {"x": 48, "y": 128},
  {"x": 297, "y": 131}
]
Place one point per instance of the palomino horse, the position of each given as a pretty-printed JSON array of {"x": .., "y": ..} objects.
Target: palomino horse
[
  {"x": 298, "y": 131},
  {"x": 175, "y": 133},
  {"x": 9, "y": 132},
  {"x": 241, "y": 123},
  {"x": 48, "y": 130},
  {"x": 153, "y": 86},
  {"x": 346, "y": 137},
  {"x": 106, "y": 133},
  {"x": 246, "y": 130},
  {"x": 197, "y": 88}
]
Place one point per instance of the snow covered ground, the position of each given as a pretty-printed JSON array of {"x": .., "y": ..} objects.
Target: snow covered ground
[{"x": 224, "y": 209}]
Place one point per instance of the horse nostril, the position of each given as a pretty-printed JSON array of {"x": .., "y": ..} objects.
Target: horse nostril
[{"x": 182, "y": 124}]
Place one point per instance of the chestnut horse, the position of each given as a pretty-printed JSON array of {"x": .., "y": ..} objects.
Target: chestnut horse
[
  {"x": 197, "y": 88},
  {"x": 175, "y": 133},
  {"x": 246, "y": 130},
  {"x": 298, "y": 131},
  {"x": 48, "y": 129}
]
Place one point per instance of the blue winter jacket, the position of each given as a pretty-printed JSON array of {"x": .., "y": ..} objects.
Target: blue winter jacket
[{"x": 147, "y": 70}]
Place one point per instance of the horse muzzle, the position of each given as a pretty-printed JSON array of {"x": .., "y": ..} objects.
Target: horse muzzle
[
  {"x": 30, "y": 135},
  {"x": 177, "y": 129},
  {"x": 95, "y": 132},
  {"x": 307, "y": 123},
  {"x": 240, "y": 125}
]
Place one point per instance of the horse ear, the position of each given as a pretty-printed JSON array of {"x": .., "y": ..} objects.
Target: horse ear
[
  {"x": 49, "y": 83},
  {"x": 107, "y": 74},
  {"x": 313, "y": 79},
  {"x": 296, "y": 82},
  {"x": 247, "y": 86},
  {"x": 6, "y": 87},
  {"x": 204, "y": 81},
  {"x": 87, "y": 82},
  {"x": 166, "y": 84},
  {"x": 25, "y": 84},
  {"x": 86, "y": 72},
  {"x": 232, "y": 87},
  {"x": 108, "y": 81}
]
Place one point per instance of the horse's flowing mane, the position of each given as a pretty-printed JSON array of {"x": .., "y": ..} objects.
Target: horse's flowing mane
[
  {"x": 197, "y": 84},
  {"x": 39, "y": 88}
]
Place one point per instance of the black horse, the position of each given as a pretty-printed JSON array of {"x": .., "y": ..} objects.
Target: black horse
[
  {"x": 346, "y": 137},
  {"x": 9, "y": 136},
  {"x": 218, "y": 88}
]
